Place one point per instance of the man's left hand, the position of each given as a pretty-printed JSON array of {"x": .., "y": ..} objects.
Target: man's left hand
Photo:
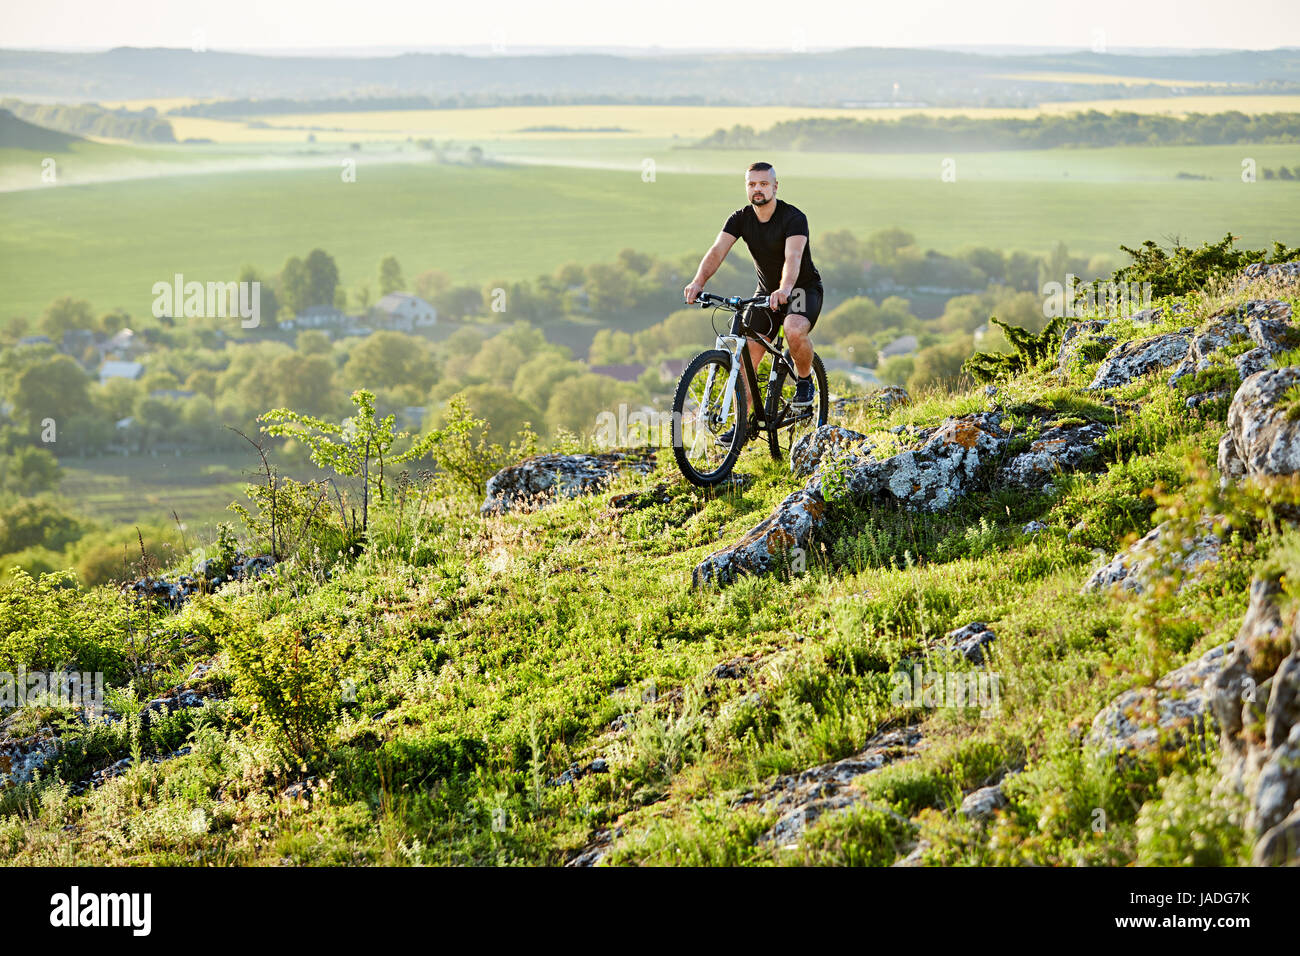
[{"x": 778, "y": 298}]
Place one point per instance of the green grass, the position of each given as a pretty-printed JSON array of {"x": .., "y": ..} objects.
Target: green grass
[{"x": 487, "y": 656}]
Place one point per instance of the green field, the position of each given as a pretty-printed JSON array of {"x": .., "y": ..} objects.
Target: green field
[
  {"x": 131, "y": 489},
  {"x": 110, "y": 242}
]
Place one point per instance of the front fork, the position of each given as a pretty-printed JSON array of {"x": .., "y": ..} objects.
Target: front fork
[{"x": 733, "y": 344}]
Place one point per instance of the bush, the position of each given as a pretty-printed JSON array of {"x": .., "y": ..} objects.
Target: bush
[
  {"x": 1184, "y": 269},
  {"x": 289, "y": 678},
  {"x": 1192, "y": 825},
  {"x": 46, "y": 623}
]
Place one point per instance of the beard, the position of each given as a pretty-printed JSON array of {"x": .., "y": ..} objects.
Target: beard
[{"x": 759, "y": 200}]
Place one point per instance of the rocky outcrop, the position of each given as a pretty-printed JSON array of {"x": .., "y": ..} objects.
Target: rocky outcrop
[
  {"x": 539, "y": 481},
  {"x": 1180, "y": 702},
  {"x": 983, "y": 803},
  {"x": 801, "y": 798},
  {"x": 1131, "y": 360},
  {"x": 173, "y": 590},
  {"x": 1063, "y": 448},
  {"x": 929, "y": 478},
  {"x": 969, "y": 641},
  {"x": 811, "y": 450},
  {"x": 1262, "y": 322},
  {"x": 1262, "y": 439},
  {"x": 1080, "y": 335},
  {"x": 1256, "y": 700},
  {"x": 1286, "y": 273},
  {"x": 1155, "y": 554},
  {"x": 881, "y": 402}
]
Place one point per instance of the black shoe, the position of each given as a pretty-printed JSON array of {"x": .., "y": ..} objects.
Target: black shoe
[
  {"x": 725, "y": 438},
  {"x": 803, "y": 391}
]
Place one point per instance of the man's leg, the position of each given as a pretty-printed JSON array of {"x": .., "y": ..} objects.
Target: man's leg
[{"x": 797, "y": 328}]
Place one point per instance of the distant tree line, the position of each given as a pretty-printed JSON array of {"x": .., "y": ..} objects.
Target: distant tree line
[
  {"x": 461, "y": 101},
  {"x": 89, "y": 119},
  {"x": 938, "y": 133}
]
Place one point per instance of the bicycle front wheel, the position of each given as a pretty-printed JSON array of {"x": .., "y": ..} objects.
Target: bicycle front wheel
[
  {"x": 787, "y": 422},
  {"x": 706, "y": 439}
]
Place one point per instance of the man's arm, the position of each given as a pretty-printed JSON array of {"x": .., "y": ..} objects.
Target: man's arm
[
  {"x": 709, "y": 265},
  {"x": 794, "y": 247}
]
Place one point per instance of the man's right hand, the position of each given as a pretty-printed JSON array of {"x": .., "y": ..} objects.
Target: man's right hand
[{"x": 692, "y": 292}]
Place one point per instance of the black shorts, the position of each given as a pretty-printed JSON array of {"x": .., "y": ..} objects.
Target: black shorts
[{"x": 761, "y": 319}]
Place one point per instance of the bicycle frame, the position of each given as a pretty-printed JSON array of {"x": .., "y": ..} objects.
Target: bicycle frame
[{"x": 736, "y": 344}]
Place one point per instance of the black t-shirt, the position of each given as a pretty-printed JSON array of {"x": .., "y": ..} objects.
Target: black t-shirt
[{"x": 766, "y": 242}]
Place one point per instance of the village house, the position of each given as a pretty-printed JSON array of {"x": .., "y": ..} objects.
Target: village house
[{"x": 403, "y": 312}]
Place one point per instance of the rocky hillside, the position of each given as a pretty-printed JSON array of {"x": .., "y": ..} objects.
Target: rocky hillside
[{"x": 1048, "y": 620}]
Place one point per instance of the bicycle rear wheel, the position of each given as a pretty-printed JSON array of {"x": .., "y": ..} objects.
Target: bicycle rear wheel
[
  {"x": 698, "y": 422},
  {"x": 786, "y": 422}
]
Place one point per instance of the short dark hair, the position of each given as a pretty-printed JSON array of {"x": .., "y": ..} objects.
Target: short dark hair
[{"x": 759, "y": 167}]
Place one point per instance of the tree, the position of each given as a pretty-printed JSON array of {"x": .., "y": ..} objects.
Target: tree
[
  {"x": 359, "y": 446},
  {"x": 322, "y": 277},
  {"x": 306, "y": 381},
  {"x": 505, "y": 415},
  {"x": 55, "y": 388},
  {"x": 361, "y": 296},
  {"x": 295, "y": 286},
  {"x": 65, "y": 314},
  {"x": 390, "y": 276},
  {"x": 537, "y": 378},
  {"x": 314, "y": 342},
  {"x": 37, "y": 521},
  {"x": 114, "y": 321},
  {"x": 268, "y": 305},
  {"x": 939, "y": 366},
  {"x": 429, "y": 284},
  {"x": 391, "y": 358},
  {"x": 30, "y": 471},
  {"x": 856, "y": 316},
  {"x": 576, "y": 402},
  {"x": 610, "y": 347}
]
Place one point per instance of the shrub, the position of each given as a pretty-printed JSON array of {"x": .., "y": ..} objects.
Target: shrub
[{"x": 47, "y": 624}]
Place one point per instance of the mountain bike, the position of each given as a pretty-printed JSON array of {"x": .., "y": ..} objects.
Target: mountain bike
[{"x": 709, "y": 428}]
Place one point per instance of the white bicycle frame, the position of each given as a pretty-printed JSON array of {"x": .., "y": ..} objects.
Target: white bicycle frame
[{"x": 732, "y": 344}]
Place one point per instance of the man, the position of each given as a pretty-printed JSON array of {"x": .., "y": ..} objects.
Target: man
[{"x": 776, "y": 234}]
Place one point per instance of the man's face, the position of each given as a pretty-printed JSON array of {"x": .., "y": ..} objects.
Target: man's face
[{"x": 760, "y": 186}]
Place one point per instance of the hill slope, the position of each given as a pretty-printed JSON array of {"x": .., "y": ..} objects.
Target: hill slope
[
  {"x": 941, "y": 681},
  {"x": 17, "y": 133}
]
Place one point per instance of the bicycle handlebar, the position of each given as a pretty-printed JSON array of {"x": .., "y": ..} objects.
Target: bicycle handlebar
[{"x": 734, "y": 302}]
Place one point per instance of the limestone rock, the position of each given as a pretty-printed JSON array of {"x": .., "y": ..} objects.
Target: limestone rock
[
  {"x": 929, "y": 478},
  {"x": 1078, "y": 334},
  {"x": 1136, "y": 567},
  {"x": 811, "y": 450},
  {"x": 970, "y": 641},
  {"x": 983, "y": 803},
  {"x": 543, "y": 479},
  {"x": 1261, "y": 439},
  {"x": 1131, "y": 360},
  {"x": 1182, "y": 705},
  {"x": 1287, "y": 273},
  {"x": 802, "y": 797},
  {"x": 1264, "y": 322},
  {"x": 1063, "y": 448}
]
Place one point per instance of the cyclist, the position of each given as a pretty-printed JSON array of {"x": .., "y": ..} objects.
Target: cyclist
[{"x": 776, "y": 234}]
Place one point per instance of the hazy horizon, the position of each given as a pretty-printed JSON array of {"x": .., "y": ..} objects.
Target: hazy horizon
[{"x": 677, "y": 25}]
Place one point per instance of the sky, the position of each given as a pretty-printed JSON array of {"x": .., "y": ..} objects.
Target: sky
[{"x": 499, "y": 25}]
